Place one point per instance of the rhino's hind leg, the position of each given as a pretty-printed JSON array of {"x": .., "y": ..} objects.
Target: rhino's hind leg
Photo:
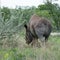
[
  {"x": 35, "y": 43},
  {"x": 40, "y": 33},
  {"x": 42, "y": 42}
]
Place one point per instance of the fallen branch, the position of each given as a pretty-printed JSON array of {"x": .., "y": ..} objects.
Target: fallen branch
[{"x": 55, "y": 33}]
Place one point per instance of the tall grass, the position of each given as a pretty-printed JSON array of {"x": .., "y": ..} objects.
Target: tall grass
[{"x": 16, "y": 49}]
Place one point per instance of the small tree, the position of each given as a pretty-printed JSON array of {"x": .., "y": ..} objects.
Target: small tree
[
  {"x": 51, "y": 11},
  {"x": 6, "y": 13}
]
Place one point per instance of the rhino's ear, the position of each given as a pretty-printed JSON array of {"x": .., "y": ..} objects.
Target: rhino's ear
[{"x": 25, "y": 26}]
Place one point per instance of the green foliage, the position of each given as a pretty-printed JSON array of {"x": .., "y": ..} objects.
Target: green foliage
[
  {"x": 28, "y": 12},
  {"x": 5, "y": 13},
  {"x": 13, "y": 18},
  {"x": 43, "y": 13},
  {"x": 50, "y": 11}
]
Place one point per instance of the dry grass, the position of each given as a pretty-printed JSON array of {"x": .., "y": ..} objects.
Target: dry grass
[{"x": 16, "y": 49}]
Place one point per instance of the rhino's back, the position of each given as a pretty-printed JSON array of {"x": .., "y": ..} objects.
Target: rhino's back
[{"x": 42, "y": 25}]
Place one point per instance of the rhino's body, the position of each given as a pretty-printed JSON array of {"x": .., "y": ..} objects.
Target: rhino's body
[{"x": 37, "y": 28}]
